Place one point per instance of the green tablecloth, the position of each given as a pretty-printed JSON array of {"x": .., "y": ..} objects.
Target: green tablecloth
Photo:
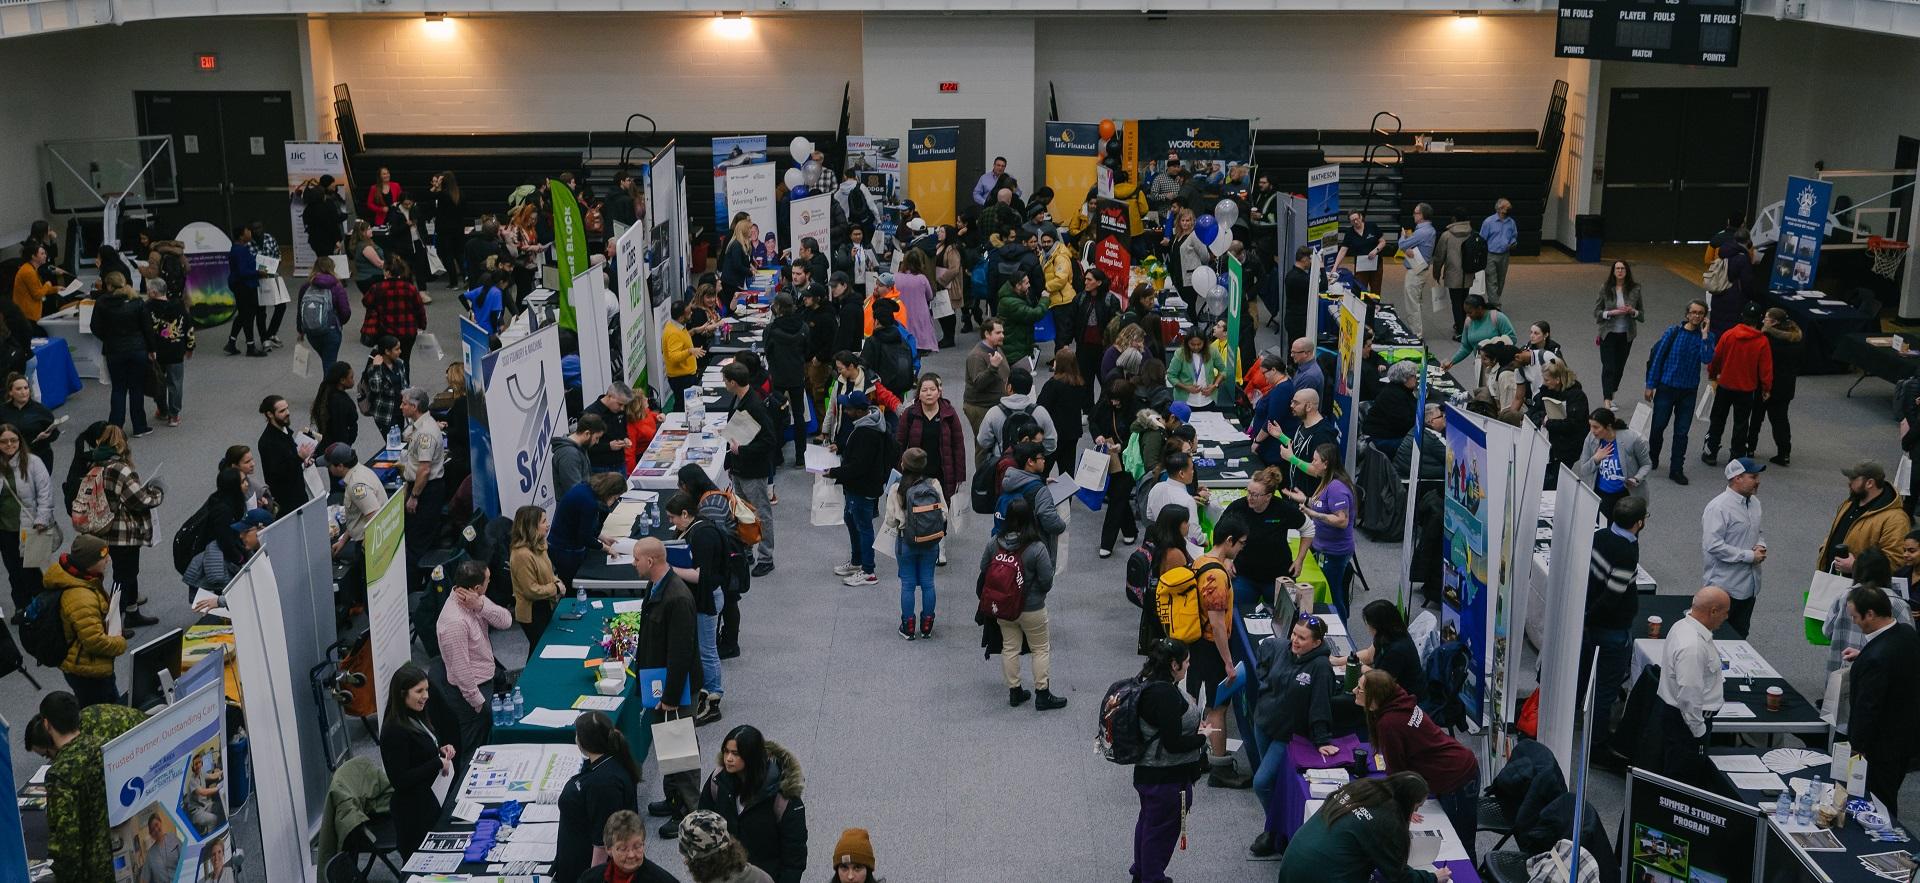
[{"x": 556, "y": 683}]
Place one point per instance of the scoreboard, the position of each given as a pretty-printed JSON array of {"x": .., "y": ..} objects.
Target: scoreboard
[{"x": 1704, "y": 32}]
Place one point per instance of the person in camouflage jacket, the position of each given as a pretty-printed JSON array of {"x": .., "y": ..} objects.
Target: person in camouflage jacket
[{"x": 78, "y": 839}]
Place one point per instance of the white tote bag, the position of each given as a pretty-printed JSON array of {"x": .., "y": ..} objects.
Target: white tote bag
[
  {"x": 1091, "y": 473},
  {"x": 1704, "y": 409},
  {"x": 676, "y": 748},
  {"x": 302, "y": 358},
  {"x": 1903, "y": 474},
  {"x": 941, "y": 306},
  {"x": 829, "y": 502},
  {"x": 39, "y": 547},
  {"x": 1642, "y": 420}
]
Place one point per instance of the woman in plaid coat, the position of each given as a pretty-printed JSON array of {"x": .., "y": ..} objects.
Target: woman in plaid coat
[{"x": 131, "y": 502}]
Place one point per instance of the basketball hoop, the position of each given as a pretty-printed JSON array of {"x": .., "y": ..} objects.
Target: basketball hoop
[{"x": 1886, "y": 255}]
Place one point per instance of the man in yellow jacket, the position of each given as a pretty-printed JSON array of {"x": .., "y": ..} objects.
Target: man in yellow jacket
[
  {"x": 83, "y": 610},
  {"x": 1870, "y": 517},
  {"x": 1056, "y": 267}
]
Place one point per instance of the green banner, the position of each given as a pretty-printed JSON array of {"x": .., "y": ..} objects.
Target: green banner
[
  {"x": 384, "y": 533},
  {"x": 1236, "y": 300},
  {"x": 569, "y": 245}
]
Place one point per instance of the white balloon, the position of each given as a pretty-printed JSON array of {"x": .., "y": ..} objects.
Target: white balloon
[
  {"x": 1221, "y": 243},
  {"x": 800, "y": 147},
  {"x": 1204, "y": 279},
  {"x": 1227, "y": 213},
  {"x": 793, "y": 177}
]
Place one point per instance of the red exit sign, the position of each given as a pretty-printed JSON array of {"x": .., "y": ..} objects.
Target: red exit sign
[
  {"x": 949, "y": 88},
  {"x": 207, "y": 61}
]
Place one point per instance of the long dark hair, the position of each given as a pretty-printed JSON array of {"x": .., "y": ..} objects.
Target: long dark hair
[
  {"x": 405, "y": 678},
  {"x": 16, "y": 466},
  {"x": 336, "y": 372},
  {"x": 1404, "y": 792},
  {"x": 1162, "y": 655},
  {"x": 1383, "y": 617},
  {"x": 695, "y": 481},
  {"x": 1870, "y": 566},
  {"x": 450, "y": 186},
  {"x": 1329, "y": 453},
  {"x": 752, "y": 748},
  {"x": 1168, "y": 533},
  {"x": 1377, "y": 688},
  {"x": 594, "y": 731},
  {"x": 1626, "y": 284},
  {"x": 229, "y": 487},
  {"x": 1018, "y": 521}
]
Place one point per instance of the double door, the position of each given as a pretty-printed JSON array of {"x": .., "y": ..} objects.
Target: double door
[
  {"x": 1680, "y": 161},
  {"x": 227, "y": 148}
]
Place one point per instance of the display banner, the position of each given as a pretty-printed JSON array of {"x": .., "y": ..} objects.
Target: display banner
[
  {"x": 932, "y": 157},
  {"x": 730, "y": 153},
  {"x": 1803, "y": 225},
  {"x": 1463, "y": 565},
  {"x": 636, "y": 315},
  {"x": 307, "y": 161},
  {"x": 874, "y": 163},
  {"x": 475, "y": 343},
  {"x": 666, "y": 255},
  {"x": 569, "y": 245},
  {"x": 591, "y": 312},
  {"x": 1110, "y": 252},
  {"x": 812, "y": 216},
  {"x": 1675, "y": 832},
  {"x": 1073, "y": 155},
  {"x": 1209, "y": 148},
  {"x": 1323, "y": 201},
  {"x": 387, "y": 623},
  {"x": 526, "y": 410},
  {"x": 1351, "y": 319},
  {"x": 1575, "y": 509},
  {"x": 751, "y": 189},
  {"x": 166, "y": 795},
  {"x": 1421, "y": 449},
  {"x": 209, "y": 299},
  {"x": 13, "y": 842},
  {"x": 1236, "y": 279}
]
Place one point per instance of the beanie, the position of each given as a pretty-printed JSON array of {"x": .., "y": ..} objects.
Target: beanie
[
  {"x": 86, "y": 551},
  {"x": 703, "y": 833},
  {"x": 854, "y": 848}
]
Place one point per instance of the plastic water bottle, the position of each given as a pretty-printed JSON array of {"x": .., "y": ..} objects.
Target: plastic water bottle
[
  {"x": 498, "y": 714},
  {"x": 1803, "y": 809},
  {"x": 519, "y": 705},
  {"x": 1783, "y": 808},
  {"x": 394, "y": 437},
  {"x": 579, "y": 599}
]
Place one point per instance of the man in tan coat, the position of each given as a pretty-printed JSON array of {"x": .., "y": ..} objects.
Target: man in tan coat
[{"x": 1870, "y": 517}]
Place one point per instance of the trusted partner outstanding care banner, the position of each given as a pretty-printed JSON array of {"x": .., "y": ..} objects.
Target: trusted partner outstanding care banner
[
  {"x": 932, "y": 164},
  {"x": 1073, "y": 156},
  {"x": 166, "y": 794}
]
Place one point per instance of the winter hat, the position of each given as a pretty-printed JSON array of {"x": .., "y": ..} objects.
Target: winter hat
[
  {"x": 86, "y": 551},
  {"x": 703, "y": 833},
  {"x": 854, "y": 848}
]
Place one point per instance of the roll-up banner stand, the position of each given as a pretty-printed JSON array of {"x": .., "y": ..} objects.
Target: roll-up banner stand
[
  {"x": 475, "y": 343},
  {"x": 1073, "y": 155},
  {"x": 813, "y": 217},
  {"x": 525, "y": 410},
  {"x": 307, "y": 161},
  {"x": 387, "y": 620},
  {"x": 166, "y": 794},
  {"x": 590, "y": 321},
  {"x": 569, "y": 245},
  {"x": 932, "y": 155},
  {"x": 636, "y": 316}
]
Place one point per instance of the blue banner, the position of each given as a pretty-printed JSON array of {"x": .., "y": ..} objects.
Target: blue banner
[
  {"x": 742, "y": 150},
  {"x": 486, "y": 488},
  {"x": 1803, "y": 225},
  {"x": 1463, "y": 561}
]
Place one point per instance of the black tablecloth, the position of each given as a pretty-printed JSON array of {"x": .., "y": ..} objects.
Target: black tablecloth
[
  {"x": 1786, "y": 863},
  {"x": 1822, "y": 329},
  {"x": 1877, "y": 361}
]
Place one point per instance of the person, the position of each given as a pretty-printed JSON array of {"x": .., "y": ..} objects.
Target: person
[
  {"x": 1391, "y": 416},
  {"x": 521, "y": 236},
  {"x": 931, "y": 424},
  {"x": 382, "y": 196},
  {"x": 1018, "y": 310},
  {"x": 535, "y": 587},
  {"x": 1019, "y": 545},
  {"x": 1431, "y": 441},
  {"x": 1417, "y": 246},
  {"x": 1449, "y": 270},
  {"x": 1066, "y": 398},
  {"x": 243, "y": 277},
  {"x": 707, "y": 579},
  {"x": 324, "y": 336},
  {"x": 122, "y": 326},
  {"x": 1870, "y": 568},
  {"x": 1173, "y": 491},
  {"x": 1025, "y": 478},
  {"x": 369, "y": 261},
  {"x": 1870, "y": 517},
  {"x": 1313, "y": 431},
  {"x": 1560, "y": 390},
  {"x": 34, "y": 420},
  {"x": 413, "y": 756},
  {"x": 1267, "y": 555},
  {"x": 1732, "y": 543},
  {"x": 321, "y": 214},
  {"x": 1883, "y": 714},
  {"x": 757, "y": 789},
  {"x": 916, "y": 299},
  {"x": 1691, "y": 688},
  {"x": 472, "y": 672},
  {"x": 751, "y": 464},
  {"x": 1742, "y": 374},
  {"x": 1787, "y": 345},
  {"x": 31, "y": 285},
  {"x": 1295, "y": 698},
  {"x": 1362, "y": 831},
  {"x": 669, "y": 640},
  {"x": 888, "y": 352},
  {"x": 280, "y": 456},
  {"x": 1673, "y": 379},
  {"x": 624, "y": 841},
  {"x": 384, "y": 376},
  {"x": 362, "y": 494},
  {"x": 1359, "y": 242},
  {"x": 786, "y": 342},
  {"x": 603, "y": 787},
  {"x": 448, "y": 212},
  {"x": 1088, "y": 318},
  {"x": 1612, "y": 605},
  {"x": 1614, "y": 458},
  {"x": 1501, "y": 235},
  {"x": 423, "y": 468},
  {"x": 91, "y": 652},
  {"x": 576, "y": 522},
  {"x": 1172, "y": 740},
  {"x": 1407, "y": 740},
  {"x": 212, "y": 569},
  {"x": 991, "y": 440},
  {"x": 394, "y": 307},
  {"x": 1272, "y": 418},
  {"x": 26, "y": 508},
  {"x": 1112, "y": 426},
  {"x": 853, "y": 860},
  {"x": 1731, "y": 303},
  {"x": 1540, "y": 353},
  {"x": 132, "y": 503},
  {"x": 172, "y": 339},
  {"x": 1197, "y": 372},
  {"x": 712, "y": 853},
  {"x": 987, "y": 372},
  {"x": 1482, "y": 324},
  {"x": 1211, "y": 658},
  {"x": 736, "y": 261},
  {"x": 1331, "y": 507},
  {"x": 69, "y": 737},
  {"x": 1306, "y": 368},
  {"x": 989, "y": 181},
  {"x": 571, "y": 464},
  {"x": 1618, "y": 312},
  {"x": 917, "y": 493}
]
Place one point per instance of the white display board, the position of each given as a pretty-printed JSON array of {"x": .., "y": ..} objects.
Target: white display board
[
  {"x": 311, "y": 159},
  {"x": 387, "y": 622},
  {"x": 750, "y": 189},
  {"x": 590, "y": 311},
  {"x": 812, "y": 216},
  {"x": 166, "y": 792},
  {"x": 274, "y": 690},
  {"x": 525, "y": 410},
  {"x": 1501, "y": 438},
  {"x": 1576, "y": 511},
  {"x": 637, "y": 334}
]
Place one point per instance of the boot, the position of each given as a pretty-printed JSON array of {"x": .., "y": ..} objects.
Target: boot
[
  {"x": 1017, "y": 696},
  {"x": 1224, "y": 773},
  {"x": 708, "y": 711},
  {"x": 1263, "y": 846},
  {"x": 660, "y": 809},
  {"x": 926, "y": 625},
  {"x": 1044, "y": 700}
]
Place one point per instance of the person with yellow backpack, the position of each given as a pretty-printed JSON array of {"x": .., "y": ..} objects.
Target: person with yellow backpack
[{"x": 1195, "y": 604}]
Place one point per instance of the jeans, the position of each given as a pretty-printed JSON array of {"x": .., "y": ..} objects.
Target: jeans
[
  {"x": 1741, "y": 404},
  {"x": 1774, "y": 409},
  {"x": 1676, "y": 404},
  {"x": 93, "y": 691},
  {"x": 326, "y": 345},
  {"x": 860, "y": 512},
  {"x": 25, "y": 580},
  {"x": 916, "y": 570},
  {"x": 1247, "y": 594},
  {"x": 1613, "y": 361},
  {"x": 1336, "y": 567},
  {"x": 1157, "y": 829},
  {"x": 1273, "y": 762},
  {"x": 173, "y": 389},
  {"x": 1462, "y": 806},
  {"x": 1033, "y": 626},
  {"x": 1496, "y": 286},
  {"x": 754, "y": 491},
  {"x": 128, "y": 374},
  {"x": 710, "y": 645},
  {"x": 1616, "y": 660}
]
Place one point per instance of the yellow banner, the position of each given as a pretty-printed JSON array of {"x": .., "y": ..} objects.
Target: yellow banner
[
  {"x": 932, "y": 156},
  {"x": 1073, "y": 158}
]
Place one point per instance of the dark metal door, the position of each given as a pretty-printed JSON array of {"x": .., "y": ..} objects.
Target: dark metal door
[
  {"x": 1679, "y": 162},
  {"x": 227, "y": 147}
]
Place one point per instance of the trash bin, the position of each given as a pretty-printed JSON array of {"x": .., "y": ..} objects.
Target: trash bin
[{"x": 1588, "y": 235}]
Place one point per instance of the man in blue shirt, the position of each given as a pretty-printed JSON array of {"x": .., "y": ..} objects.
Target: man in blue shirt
[
  {"x": 1500, "y": 233},
  {"x": 1417, "y": 245},
  {"x": 1273, "y": 412},
  {"x": 1673, "y": 380},
  {"x": 984, "y": 187}
]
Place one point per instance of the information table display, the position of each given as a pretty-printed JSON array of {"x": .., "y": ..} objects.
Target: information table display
[
  {"x": 1756, "y": 776},
  {"x": 560, "y": 676},
  {"x": 1748, "y": 676},
  {"x": 674, "y": 446},
  {"x": 1675, "y": 832}
]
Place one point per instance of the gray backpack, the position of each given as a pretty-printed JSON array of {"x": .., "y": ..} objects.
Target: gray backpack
[
  {"x": 316, "y": 310},
  {"x": 926, "y": 516}
]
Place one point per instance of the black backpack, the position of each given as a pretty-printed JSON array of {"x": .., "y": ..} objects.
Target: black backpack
[
  {"x": 1014, "y": 425},
  {"x": 896, "y": 367},
  {"x": 1140, "y": 576},
  {"x": 43, "y": 630},
  {"x": 192, "y": 538},
  {"x": 1473, "y": 254},
  {"x": 739, "y": 576},
  {"x": 981, "y": 493},
  {"x": 1118, "y": 739}
]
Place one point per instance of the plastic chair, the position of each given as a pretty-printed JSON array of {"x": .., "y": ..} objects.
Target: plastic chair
[
  {"x": 340, "y": 869},
  {"x": 1491, "y": 819}
]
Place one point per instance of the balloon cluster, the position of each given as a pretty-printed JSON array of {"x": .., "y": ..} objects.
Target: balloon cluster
[
  {"x": 1210, "y": 228},
  {"x": 801, "y": 150}
]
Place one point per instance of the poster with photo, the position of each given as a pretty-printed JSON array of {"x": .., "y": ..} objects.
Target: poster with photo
[
  {"x": 1803, "y": 225},
  {"x": 875, "y": 164},
  {"x": 1463, "y": 563},
  {"x": 308, "y": 161},
  {"x": 166, "y": 800},
  {"x": 732, "y": 153},
  {"x": 1678, "y": 834}
]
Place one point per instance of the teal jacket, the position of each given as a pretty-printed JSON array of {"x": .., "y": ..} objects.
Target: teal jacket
[
  {"x": 1020, "y": 314},
  {"x": 1350, "y": 850},
  {"x": 1180, "y": 370}
]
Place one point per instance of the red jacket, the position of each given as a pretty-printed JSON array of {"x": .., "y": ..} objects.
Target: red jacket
[
  {"x": 1742, "y": 360},
  {"x": 640, "y": 434},
  {"x": 1408, "y": 740}
]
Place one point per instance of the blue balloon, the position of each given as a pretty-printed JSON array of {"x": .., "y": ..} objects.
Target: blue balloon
[
  {"x": 799, "y": 192},
  {"x": 1207, "y": 228}
]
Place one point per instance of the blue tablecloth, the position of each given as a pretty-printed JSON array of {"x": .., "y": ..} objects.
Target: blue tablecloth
[{"x": 53, "y": 372}]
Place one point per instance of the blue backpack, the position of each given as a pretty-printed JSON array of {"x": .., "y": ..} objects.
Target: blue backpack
[
  {"x": 1030, "y": 491},
  {"x": 977, "y": 280}
]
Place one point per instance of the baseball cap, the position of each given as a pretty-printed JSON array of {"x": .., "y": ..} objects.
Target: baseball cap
[
  {"x": 855, "y": 399},
  {"x": 341, "y": 454},
  {"x": 1742, "y": 465},
  {"x": 917, "y": 224},
  {"x": 1182, "y": 410},
  {"x": 254, "y": 518},
  {"x": 1866, "y": 469}
]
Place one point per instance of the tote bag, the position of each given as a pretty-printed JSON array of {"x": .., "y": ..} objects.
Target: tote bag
[
  {"x": 829, "y": 502},
  {"x": 675, "y": 746}
]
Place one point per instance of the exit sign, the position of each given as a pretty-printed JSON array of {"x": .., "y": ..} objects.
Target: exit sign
[
  {"x": 206, "y": 61},
  {"x": 948, "y": 88}
]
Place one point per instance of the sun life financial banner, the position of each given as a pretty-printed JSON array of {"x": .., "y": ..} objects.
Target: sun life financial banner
[{"x": 932, "y": 162}]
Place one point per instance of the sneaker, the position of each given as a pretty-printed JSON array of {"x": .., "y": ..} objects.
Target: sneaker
[
  {"x": 159, "y": 414},
  {"x": 175, "y": 421},
  {"x": 926, "y": 625},
  {"x": 773, "y": 497},
  {"x": 273, "y": 343},
  {"x": 708, "y": 713},
  {"x": 1130, "y": 539},
  {"x": 906, "y": 627},
  {"x": 860, "y": 579},
  {"x": 143, "y": 433},
  {"x": 256, "y": 353},
  {"x": 942, "y": 560},
  {"x": 1017, "y": 696},
  {"x": 1678, "y": 477},
  {"x": 847, "y": 569},
  {"x": 1106, "y": 553},
  {"x": 1044, "y": 700},
  {"x": 1780, "y": 460},
  {"x": 762, "y": 569},
  {"x": 1711, "y": 458},
  {"x": 230, "y": 349},
  {"x": 426, "y": 298}
]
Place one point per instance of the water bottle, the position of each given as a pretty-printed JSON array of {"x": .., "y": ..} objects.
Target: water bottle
[
  {"x": 1803, "y": 809},
  {"x": 1783, "y": 808},
  {"x": 498, "y": 715},
  {"x": 519, "y": 704},
  {"x": 579, "y": 599},
  {"x": 394, "y": 437}
]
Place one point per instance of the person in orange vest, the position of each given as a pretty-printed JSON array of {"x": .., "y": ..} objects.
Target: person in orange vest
[{"x": 882, "y": 287}]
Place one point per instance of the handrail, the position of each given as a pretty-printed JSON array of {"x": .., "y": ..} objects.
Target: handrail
[{"x": 1381, "y": 140}]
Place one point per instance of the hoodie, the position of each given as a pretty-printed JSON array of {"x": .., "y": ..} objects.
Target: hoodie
[
  {"x": 1036, "y": 564},
  {"x": 1046, "y": 516},
  {"x": 1296, "y": 692},
  {"x": 787, "y": 343},
  {"x": 865, "y": 456},
  {"x": 1020, "y": 315},
  {"x": 771, "y": 822},
  {"x": 570, "y": 465},
  {"x": 988, "y": 440},
  {"x": 1742, "y": 360},
  {"x": 1446, "y": 256},
  {"x": 1407, "y": 740}
]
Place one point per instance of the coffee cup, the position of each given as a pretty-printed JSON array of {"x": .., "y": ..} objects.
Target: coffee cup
[
  {"x": 1775, "y": 698},
  {"x": 1653, "y": 626}
]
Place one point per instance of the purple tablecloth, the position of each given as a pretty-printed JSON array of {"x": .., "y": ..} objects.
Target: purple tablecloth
[{"x": 1287, "y": 810}]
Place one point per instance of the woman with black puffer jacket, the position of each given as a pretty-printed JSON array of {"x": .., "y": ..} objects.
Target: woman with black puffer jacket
[{"x": 757, "y": 790}]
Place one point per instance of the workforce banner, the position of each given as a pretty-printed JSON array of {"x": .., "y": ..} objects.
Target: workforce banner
[
  {"x": 1110, "y": 251},
  {"x": 1073, "y": 156},
  {"x": 475, "y": 343},
  {"x": 932, "y": 164},
  {"x": 569, "y": 245},
  {"x": 730, "y": 153},
  {"x": 166, "y": 794},
  {"x": 1463, "y": 562},
  {"x": 1323, "y": 202},
  {"x": 1803, "y": 224},
  {"x": 387, "y": 623},
  {"x": 526, "y": 410},
  {"x": 1218, "y": 150},
  {"x": 812, "y": 217},
  {"x": 307, "y": 161},
  {"x": 751, "y": 189},
  {"x": 636, "y": 316},
  {"x": 1677, "y": 832}
]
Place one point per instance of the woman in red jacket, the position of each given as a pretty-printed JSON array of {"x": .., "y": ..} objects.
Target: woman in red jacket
[
  {"x": 642, "y": 422},
  {"x": 1407, "y": 740},
  {"x": 930, "y": 423}
]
